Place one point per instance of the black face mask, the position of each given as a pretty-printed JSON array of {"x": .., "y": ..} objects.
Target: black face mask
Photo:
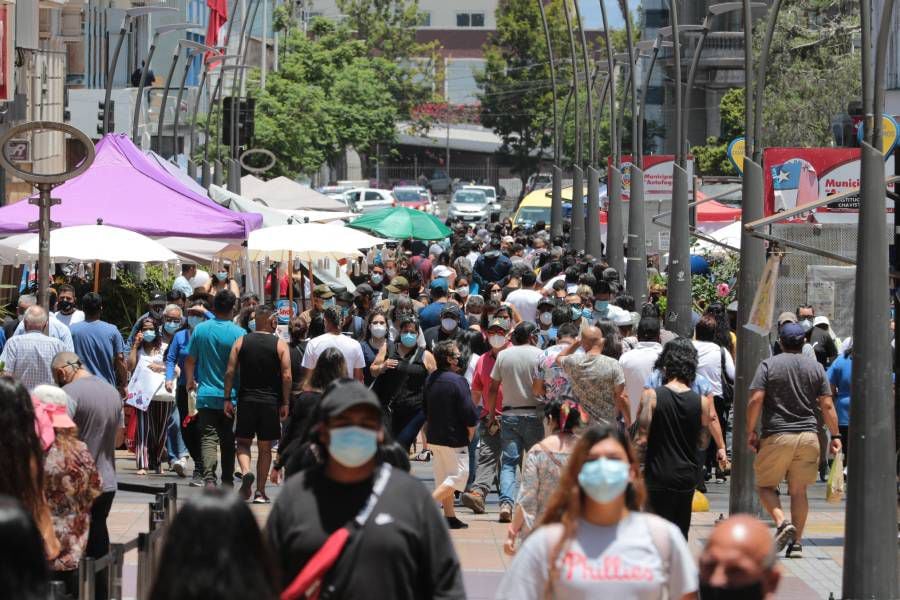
[
  {"x": 65, "y": 306},
  {"x": 751, "y": 591}
]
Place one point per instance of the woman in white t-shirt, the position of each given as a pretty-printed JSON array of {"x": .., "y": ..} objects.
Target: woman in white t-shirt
[{"x": 593, "y": 541}]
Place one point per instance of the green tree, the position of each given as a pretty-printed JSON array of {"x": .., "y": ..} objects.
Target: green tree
[
  {"x": 329, "y": 94},
  {"x": 813, "y": 74}
]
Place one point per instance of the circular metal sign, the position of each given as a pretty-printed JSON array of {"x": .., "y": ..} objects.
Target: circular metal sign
[
  {"x": 264, "y": 152},
  {"x": 30, "y": 177}
]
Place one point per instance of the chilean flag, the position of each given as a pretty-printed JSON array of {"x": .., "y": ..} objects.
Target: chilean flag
[{"x": 218, "y": 16}]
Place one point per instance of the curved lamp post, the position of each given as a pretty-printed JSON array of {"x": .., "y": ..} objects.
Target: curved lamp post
[
  {"x": 590, "y": 218},
  {"x": 157, "y": 33},
  {"x": 576, "y": 227},
  {"x": 556, "y": 217},
  {"x": 237, "y": 86},
  {"x": 130, "y": 14},
  {"x": 191, "y": 132},
  {"x": 198, "y": 49}
]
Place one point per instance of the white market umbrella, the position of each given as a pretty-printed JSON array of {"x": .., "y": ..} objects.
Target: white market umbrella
[
  {"x": 88, "y": 243},
  {"x": 307, "y": 242},
  {"x": 730, "y": 235}
]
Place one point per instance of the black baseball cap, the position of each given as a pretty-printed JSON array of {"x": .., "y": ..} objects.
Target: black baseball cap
[
  {"x": 344, "y": 396},
  {"x": 157, "y": 297}
]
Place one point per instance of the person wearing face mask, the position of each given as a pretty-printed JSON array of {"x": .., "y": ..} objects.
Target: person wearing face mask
[
  {"x": 352, "y": 324},
  {"x": 66, "y": 312},
  {"x": 450, "y": 425},
  {"x": 262, "y": 362},
  {"x": 27, "y": 357},
  {"x": 222, "y": 280},
  {"x": 462, "y": 292},
  {"x": 376, "y": 279},
  {"x": 594, "y": 542},
  {"x": 525, "y": 299},
  {"x": 322, "y": 298},
  {"x": 400, "y": 373},
  {"x": 449, "y": 328},
  {"x": 147, "y": 353},
  {"x": 333, "y": 338},
  {"x": 376, "y": 339},
  {"x": 738, "y": 561},
  {"x": 401, "y": 543},
  {"x": 362, "y": 305},
  {"x": 155, "y": 308},
  {"x": 176, "y": 354},
  {"x": 493, "y": 266},
  {"x": 544, "y": 321},
  {"x": 178, "y": 452},
  {"x": 474, "y": 307}
]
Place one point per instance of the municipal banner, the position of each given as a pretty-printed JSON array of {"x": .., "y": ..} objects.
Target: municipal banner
[{"x": 658, "y": 177}]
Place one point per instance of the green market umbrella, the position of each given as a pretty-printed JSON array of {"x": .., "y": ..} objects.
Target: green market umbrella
[{"x": 402, "y": 223}]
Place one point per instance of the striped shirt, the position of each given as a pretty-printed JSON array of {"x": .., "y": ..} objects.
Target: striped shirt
[{"x": 28, "y": 358}]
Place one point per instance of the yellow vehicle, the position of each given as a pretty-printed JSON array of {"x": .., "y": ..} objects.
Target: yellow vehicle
[{"x": 536, "y": 207}]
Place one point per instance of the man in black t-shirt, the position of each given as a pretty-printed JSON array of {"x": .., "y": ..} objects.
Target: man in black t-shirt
[
  {"x": 401, "y": 551},
  {"x": 263, "y": 364}
]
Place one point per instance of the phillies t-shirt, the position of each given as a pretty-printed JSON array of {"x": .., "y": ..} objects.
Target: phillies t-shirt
[{"x": 620, "y": 561}]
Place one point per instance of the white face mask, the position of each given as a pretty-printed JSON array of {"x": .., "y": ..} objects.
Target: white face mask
[
  {"x": 546, "y": 318},
  {"x": 497, "y": 341},
  {"x": 379, "y": 330},
  {"x": 448, "y": 324},
  {"x": 463, "y": 291}
]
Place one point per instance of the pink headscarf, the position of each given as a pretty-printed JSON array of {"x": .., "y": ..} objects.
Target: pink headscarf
[{"x": 43, "y": 423}]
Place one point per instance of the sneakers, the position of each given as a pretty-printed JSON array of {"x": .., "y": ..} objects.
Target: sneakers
[
  {"x": 474, "y": 501},
  {"x": 260, "y": 498},
  {"x": 196, "y": 479},
  {"x": 505, "y": 512},
  {"x": 247, "y": 480},
  {"x": 784, "y": 535},
  {"x": 454, "y": 523},
  {"x": 178, "y": 467},
  {"x": 794, "y": 550}
]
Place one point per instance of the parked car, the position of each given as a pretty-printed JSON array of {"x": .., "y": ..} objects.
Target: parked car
[
  {"x": 335, "y": 191},
  {"x": 438, "y": 181},
  {"x": 413, "y": 197},
  {"x": 469, "y": 205},
  {"x": 538, "y": 181},
  {"x": 491, "y": 193},
  {"x": 363, "y": 200}
]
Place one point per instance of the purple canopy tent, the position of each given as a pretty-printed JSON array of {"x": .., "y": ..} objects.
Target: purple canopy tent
[{"x": 127, "y": 189}]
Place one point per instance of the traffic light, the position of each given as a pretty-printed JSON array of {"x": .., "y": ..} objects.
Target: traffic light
[
  {"x": 101, "y": 112},
  {"x": 245, "y": 120}
]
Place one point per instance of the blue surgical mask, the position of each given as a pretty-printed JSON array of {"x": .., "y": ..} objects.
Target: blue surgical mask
[
  {"x": 408, "y": 339},
  {"x": 352, "y": 446},
  {"x": 601, "y": 306},
  {"x": 222, "y": 275},
  {"x": 171, "y": 327},
  {"x": 576, "y": 312},
  {"x": 194, "y": 320},
  {"x": 251, "y": 324},
  {"x": 328, "y": 302},
  {"x": 149, "y": 336},
  {"x": 587, "y": 313},
  {"x": 604, "y": 480},
  {"x": 376, "y": 278}
]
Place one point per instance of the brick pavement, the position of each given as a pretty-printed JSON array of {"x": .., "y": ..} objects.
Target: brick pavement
[{"x": 480, "y": 547}]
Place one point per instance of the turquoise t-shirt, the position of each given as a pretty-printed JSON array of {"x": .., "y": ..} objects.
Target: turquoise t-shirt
[
  {"x": 840, "y": 375},
  {"x": 210, "y": 346}
]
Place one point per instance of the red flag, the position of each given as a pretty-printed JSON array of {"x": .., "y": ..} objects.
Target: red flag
[{"x": 218, "y": 15}]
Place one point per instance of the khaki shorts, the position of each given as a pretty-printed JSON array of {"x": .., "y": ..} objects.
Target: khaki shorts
[
  {"x": 791, "y": 455},
  {"x": 451, "y": 466}
]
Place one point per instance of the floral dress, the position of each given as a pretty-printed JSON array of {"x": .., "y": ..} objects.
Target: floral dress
[
  {"x": 540, "y": 477},
  {"x": 71, "y": 483}
]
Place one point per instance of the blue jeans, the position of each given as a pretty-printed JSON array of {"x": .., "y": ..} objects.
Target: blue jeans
[
  {"x": 408, "y": 434},
  {"x": 518, "y": 433},
  {"x": 174, "y": 442}
]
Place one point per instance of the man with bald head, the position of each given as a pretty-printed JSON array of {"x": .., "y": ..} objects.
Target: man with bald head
[
  {"x": 597, "y": 381},
  {"x": 738, "y": 562},
  {"x": 27, "y": 357}
]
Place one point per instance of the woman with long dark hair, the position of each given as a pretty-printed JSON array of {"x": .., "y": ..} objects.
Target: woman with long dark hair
[
  {"x": 670, "y": 419},
  {"x": 214, "y": 549},
  {"x": 376, "y": 338},
  {"x": 593, "y": 541},
  {"x": 22, "y": 459},
  {"x": 148, "y": 354},
  {"x": 23, "y": 564}
]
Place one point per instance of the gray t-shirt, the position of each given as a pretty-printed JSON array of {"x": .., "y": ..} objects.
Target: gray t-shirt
[
  {"x": 514, "y": 369},
  {"x": 98, "y": 415},
  {"x": 623, "y": 561},
  {"x": 793, "y": 384}
]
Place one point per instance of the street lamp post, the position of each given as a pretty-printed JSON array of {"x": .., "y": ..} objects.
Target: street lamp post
[
  {"x": 130, "y": 14},
  {"x": 615, "y": 226},
  {"x": 199, "y": 49},
  {"x": 593, "y": 245},
  {"x": 556, "y": 217},
  {"x": 138, "y": 99},
  {"x": 870, "y": 551},
  {"x": 165, "y": 98},
  {"x": 234, "y": 166},
  {"x": 204, "y": 167},
  {"x": 576, "y": 227}
]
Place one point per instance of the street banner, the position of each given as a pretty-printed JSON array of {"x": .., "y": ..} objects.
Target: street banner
[
  {"x": 798, "y": 176},
  {"x": 658, "y": 178},
  {"x": 736, "y": 151},
  {"x": 890, "y": 133},
  {"x": 763, "y": 307}
]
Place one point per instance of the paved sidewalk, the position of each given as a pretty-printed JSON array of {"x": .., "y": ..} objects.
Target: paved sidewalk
[{"x": 480, "y": 547}]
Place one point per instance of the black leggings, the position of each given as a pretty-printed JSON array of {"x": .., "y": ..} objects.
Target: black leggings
[
  {"x": 672, "y": 505},
  {"x": 191, "y": 433}
]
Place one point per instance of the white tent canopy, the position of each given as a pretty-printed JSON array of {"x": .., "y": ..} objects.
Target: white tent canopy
[
  {"x": 87, "y": 243},
  {"x": 307, "y": 242},
  {"x": 284, "y": 193},
  {"x": 730, "y": 234},
  {"x": 272, "y": 216}
]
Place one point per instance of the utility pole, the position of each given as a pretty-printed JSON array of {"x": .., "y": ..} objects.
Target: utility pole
[{"x": 870, "y": 547}]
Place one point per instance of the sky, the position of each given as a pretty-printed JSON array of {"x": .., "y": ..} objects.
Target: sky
[{"x": 590, "y": 11}]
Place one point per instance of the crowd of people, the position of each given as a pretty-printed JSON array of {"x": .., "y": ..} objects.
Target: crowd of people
[{"x": 509, "y": 362}]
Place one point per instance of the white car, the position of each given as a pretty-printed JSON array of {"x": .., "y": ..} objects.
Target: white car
[
  {"x": 469, "y": 205},
  {"x": 363, "y": 200},
  {"x": 490, "y": 193}
]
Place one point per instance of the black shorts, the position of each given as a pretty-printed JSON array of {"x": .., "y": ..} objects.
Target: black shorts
[{"x": 257, "y": 419}]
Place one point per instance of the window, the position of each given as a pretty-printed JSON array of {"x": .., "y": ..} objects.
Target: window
[
  {"x": 461, "y": 87},
  {"x": 373, "y": 196},
  {"x": 475, "y": 19},
  {"x": 424, "y": 18}
]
